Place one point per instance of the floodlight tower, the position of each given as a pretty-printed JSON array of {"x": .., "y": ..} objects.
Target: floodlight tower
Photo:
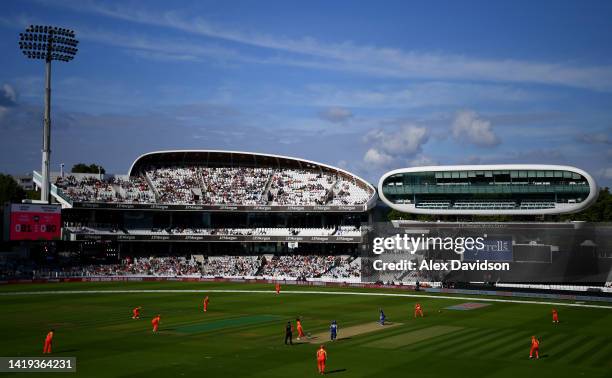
[{"x": 47, "y": 43}]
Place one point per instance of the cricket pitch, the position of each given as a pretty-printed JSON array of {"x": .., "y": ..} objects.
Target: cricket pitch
[{"x": 348, "y": 332}]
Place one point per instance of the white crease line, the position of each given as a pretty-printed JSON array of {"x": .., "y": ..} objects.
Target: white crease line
[{"x": 302, "y": 292}]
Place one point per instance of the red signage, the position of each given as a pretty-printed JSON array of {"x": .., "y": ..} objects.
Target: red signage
[{"x": 35, "y": 222}]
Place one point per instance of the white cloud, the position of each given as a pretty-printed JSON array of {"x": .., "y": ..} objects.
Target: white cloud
[
  {"x": 8, "y": 95},
  {"x": 468, "y": 126},
  {"x": 387, "y": 147},
  {"x": 406, "y": 141},
  {"x": 377, "y": 158},
  {"x": 594, "y": 138},
  {"x": 422, "y": 161},
  {"x": 336, "y": 114},
  {"x": 606, "y": 173},
  {"x": 8, "y": 99}
]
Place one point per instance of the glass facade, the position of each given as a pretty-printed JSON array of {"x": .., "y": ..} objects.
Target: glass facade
[{"x": 486, "y": 189}]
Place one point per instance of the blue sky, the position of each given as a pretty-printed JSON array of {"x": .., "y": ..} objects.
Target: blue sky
[{"x": 367, "y": 86}]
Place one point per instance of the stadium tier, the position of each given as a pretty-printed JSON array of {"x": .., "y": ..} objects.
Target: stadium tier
[
  {"x": 218, "y": 180},
  {"x": 338, "y": 234},
  {"x": 329, "y": 268},
  {"x": 488, "y": 189}
]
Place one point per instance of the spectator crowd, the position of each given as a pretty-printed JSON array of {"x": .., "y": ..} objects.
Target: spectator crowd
[{"x": 243, "y": 186}]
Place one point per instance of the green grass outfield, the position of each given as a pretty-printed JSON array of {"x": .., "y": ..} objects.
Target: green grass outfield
[{"x": 242, "y": 334}]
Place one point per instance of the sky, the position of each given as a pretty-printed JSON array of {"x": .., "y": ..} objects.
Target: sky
[{"x": 367, "y": 86}]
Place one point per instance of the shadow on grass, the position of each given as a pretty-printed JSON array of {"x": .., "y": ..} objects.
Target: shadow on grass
[
  {"x": 335, "y": 371},
  {"x": 67, "y": 350}
]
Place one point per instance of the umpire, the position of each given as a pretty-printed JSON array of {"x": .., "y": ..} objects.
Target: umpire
[{"x": 289, "y": 333}]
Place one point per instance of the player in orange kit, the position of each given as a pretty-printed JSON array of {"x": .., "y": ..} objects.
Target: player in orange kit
[
  {"x": 48, "y": 342},
  {"x": 277, "y": 288},
  {"x": 300, "y": 330},
  {"x": 155, "y": 323},
  {"x": 555, "y": 315},
  {"x": 136, "y": 312},
  {"x": 206, "y": 304},
  {"x": 418, "y": 311},
  {"x": 535, "y": 347},
  {"x": 321, "y": 358}
]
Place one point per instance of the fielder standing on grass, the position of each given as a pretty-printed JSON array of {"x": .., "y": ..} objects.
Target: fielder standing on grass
[
  {"x": 155, "y": 323},
  {"x": 535, "y": 348},
  {"x": 555, "y": 316},
  {"x": 418, "y": 310},
  {"x": 277, "y": 288},
  {"x": 300, "y": 330},
  {"x": 136, "y": 312},
  {"x": 381, "y": 317},
  {"x": 321, "y": 359},
  {"x": 48, "y": 342},
  {"x": 206, "y": 304}
]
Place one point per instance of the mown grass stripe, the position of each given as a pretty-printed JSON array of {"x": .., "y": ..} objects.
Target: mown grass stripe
[
  {"x": 367, "y": 338},
  {"x": 434, "y": 342},
  {"x": 546, "y": 340},
  {"x": 519, "y": 346},
  {"x": 499, "y": 339},
  {"x": 452, "y": 343},
  {"x": 466, "y": 346},
  {"x": 588, "y": 349},
  {"x": 226, "y": 323},
  {"x": 561, "y": 351},
  {"x": 413, "y": 337},
  {"x": 602, "y": 356},
  {"x": 509, "y": 343}
]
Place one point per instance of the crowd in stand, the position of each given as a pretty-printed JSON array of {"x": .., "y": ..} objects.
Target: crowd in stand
[
  {"x": 346, "y": 268},
  {"x": 234, "y": 186},
  {"x": 218, "y": 186},
  {"x": 174, "y": 185},
  {"x": 145, "y": 266},
  {"x": 135, "y": 189},
  {"x": 94, "y": 188},
  {"x": 232, "y": 266},
  {"x": 88, "y": 188},
  {"x": 256, "y": 231},
  {"x": 298, "y": 266},
  {"x": 300, "y": 187}
]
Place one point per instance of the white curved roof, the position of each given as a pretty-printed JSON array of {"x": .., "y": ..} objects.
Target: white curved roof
[{"x": 561, "y": 208}]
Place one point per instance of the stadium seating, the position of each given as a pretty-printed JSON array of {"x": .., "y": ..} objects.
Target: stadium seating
[
  {"x": 268, "y": 231},
  {"x": 218, "y": 186},
  {"x": 300, "y": 267},
  {"x": 93, "y": 188}
]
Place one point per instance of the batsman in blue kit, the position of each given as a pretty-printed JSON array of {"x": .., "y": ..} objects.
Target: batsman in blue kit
[
  {"x": 333, "y": 331},
  {"x": 382, "y": 317}
]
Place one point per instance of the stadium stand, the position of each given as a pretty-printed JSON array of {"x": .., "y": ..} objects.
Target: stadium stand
[
  {"x": 269, "y": 231},
  {"x": 218, "y": 186},
  {"x": 92, "y": 188}
]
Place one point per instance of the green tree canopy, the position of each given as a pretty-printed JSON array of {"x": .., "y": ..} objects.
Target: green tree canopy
[
  {"x": 10, "y": 191},
  {"x": 84, "y": 168}
]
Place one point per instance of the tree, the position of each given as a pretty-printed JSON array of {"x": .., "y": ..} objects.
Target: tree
[
  {"x": 600, "y": 211},
  {"x": 10, "y": 191},
  {"x": 84, "y": 168}
]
